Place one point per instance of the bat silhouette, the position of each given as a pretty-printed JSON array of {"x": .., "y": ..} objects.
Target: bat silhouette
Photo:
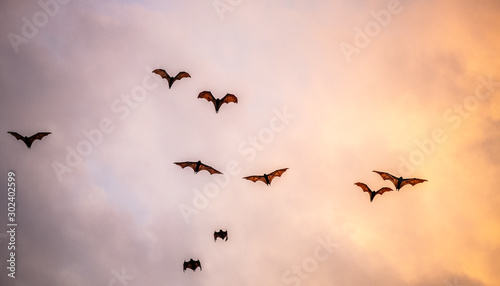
[
  {"x": 198, "y": 166},
  {"x": 191, "y": 264},
  {"x": 221, "y": 233},
  {"x": 372, "y": 193},
  {"x": 399, "y": 182},
  {"x": 170, "y": 79},
  {"x": 266, "y": 178},
  {"x": 228, "y": 98},
  {"x": 29, "y": 140}
]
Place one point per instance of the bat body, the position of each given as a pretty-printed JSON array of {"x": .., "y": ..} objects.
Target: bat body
[
  {"x": 29, "y": 140},
  {"x": 399, "y": 182},
  {"x": 221, "y": 233},
  {"x": 228, "y": 98},
  {"x": 266, "y": 178},
  {"x": 191, "y": 264},
  {"x": 372, "y": 193},
  {"x": 170, "y": 79},
  {"x": 198, "y": 166}
]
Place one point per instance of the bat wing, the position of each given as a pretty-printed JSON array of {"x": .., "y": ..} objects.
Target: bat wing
[
  {"x": 387, "y": 176},
  {"x": 162, "y": 73},
  {"x": 17, "y": 135},
  {"x": 209, "y": 169},
  {"x": 412, "y": 181},
  {"x": 38, "y": 136},
  {"x": 276, "y": 173},
  {"x": 256, "y": 178},
  {"x": 181, "y": 75},
  {"x": 383, "y": 190},
  {"x": 207, "y": 95},
  {"x": 228, "y": 98},
  {"x": 364, "y": 187},
  {"x": 186, "y": 164}
]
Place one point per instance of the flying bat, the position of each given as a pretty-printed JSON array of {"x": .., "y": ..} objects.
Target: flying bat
[
  {"x": 372, "y": 193},
  {"x": 228, "y": 98},
  {"x": 399, "y": 182},
  {"x": 266, "y": 178},
  {"x": 191, "y": 264},
  {"x": 198, "y": 166},
  {"x": 29, "y": 140},
  {"x": 221, "y": 233},
  {"x": 170, "y": 79}
]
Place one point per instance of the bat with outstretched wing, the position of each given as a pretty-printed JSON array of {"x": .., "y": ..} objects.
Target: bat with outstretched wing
[
  {"x": 222, "y": 234},
  {"x": 399, "y": 182},
  {"x": 29, "y": 140},
  {"x": 170, "y": 79},
  {"x": 372, "y": 193},
  {"x": 266, "y": 178},
  {"x": 198, "y": 166},
  {"x": 228, "y": 98},
  {"x": 191, "y": 264}
]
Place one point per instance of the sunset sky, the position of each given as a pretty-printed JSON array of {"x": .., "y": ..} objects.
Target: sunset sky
[{"x": 331, "y": 90}]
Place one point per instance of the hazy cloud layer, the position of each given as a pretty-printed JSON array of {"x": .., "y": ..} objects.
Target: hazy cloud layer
[{"x": 331, "y": 91}]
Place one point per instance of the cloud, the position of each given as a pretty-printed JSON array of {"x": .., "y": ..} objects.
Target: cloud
[{"x": 116, "y": 215}]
